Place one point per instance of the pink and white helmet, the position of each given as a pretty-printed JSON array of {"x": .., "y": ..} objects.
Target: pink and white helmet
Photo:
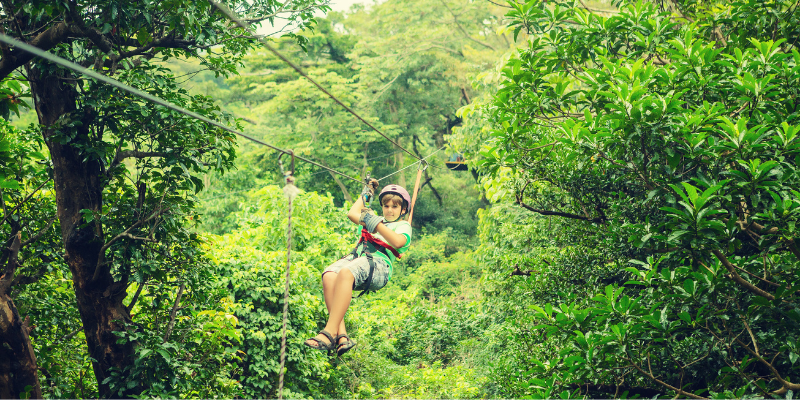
[{"x": 398, "y": 190}]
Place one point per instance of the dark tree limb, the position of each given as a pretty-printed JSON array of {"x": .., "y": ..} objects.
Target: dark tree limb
[
  {"x": 174, "y": 312},
  {"x": 12, "y": 263},
  {"x": 46, "y": 40},
  {"x": 596, "y": 220},
  {"x": 135, "y": 297},
  {"x": 793, "y": 248},
  {"x": 519, "y": 272},
  {"x": 680, "y": 392},
  {"x": 738, "y": 278}
]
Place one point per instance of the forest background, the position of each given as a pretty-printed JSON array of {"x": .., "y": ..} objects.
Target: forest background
[{"x": 627, "y": 228}]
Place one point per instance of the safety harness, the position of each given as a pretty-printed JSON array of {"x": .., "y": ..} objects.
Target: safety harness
[{"x": 372, "y": 245}]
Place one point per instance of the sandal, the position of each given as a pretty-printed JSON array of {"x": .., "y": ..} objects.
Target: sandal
[
  {"x": 344, "y": 347},
  {"x": 320, "y": 345}
]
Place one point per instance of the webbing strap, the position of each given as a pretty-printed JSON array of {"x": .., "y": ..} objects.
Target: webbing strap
[
  {"x": 416, "y": 190},
  {"x": 378, "y": 244},
  {"x": 368, "y": 282}
]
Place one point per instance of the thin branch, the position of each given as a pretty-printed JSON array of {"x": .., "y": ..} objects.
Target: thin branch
[
  {"x": 8, "y": 214},
  {"x": 737, "y": 278},
  {"x": 787, "y": 386},
  {"x": 174, "y": 312},
  {"x": 461, "y": 28},
  {"x": 752, "y": 337},
  {"x": 662, "y": 383},
  {"x": 70, "y": 335},
  {"x": 124, "y": 234},
  {"x": 41, "y": 232},
  {"x": 135, "y": 297},
  {"x": 597, "y": 220},
  {"x": 756, "y": 276}
]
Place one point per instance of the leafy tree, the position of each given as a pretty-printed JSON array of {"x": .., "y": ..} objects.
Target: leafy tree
[
  {"x": 125, "y": 171},
  {"x": 665, "y": 134},
  {"x": 28, "y": 241},
  {"x": 251, "y": 262}
]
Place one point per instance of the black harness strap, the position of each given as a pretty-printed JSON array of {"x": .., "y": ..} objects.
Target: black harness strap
[{"x": 367, "y": 247}]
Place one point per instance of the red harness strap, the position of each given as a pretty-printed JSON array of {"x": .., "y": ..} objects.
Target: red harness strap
[{"x": 365, "y": 235}]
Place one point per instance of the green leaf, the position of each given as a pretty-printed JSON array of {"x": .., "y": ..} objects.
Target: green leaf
[{"x": 9, "y": 185}]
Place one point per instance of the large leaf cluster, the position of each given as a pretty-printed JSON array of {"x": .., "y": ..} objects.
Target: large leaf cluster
[
  {"x": 251, "y": 262},
  {"x": 671, "y": 136}
]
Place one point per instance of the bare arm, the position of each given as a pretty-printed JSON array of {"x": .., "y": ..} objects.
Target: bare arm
[
  {"x": 358, "y": 206},
  {"x": 395, "y": 239},
  {"x": 355, "y": 211}
]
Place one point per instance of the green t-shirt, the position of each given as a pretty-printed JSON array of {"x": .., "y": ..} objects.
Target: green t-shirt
[{"x": 401, "y": 227}]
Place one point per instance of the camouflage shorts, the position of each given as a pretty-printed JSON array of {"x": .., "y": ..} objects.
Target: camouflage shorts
[{"x": 359, "y": 267}]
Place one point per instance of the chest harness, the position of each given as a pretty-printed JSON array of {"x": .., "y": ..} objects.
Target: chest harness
[{"x": 371, "y": 245}]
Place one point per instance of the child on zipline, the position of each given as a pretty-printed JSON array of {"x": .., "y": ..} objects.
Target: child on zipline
[{"x": 369, "y": 266}]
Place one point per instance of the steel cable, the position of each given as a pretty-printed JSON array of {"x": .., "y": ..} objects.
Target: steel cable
[
  {"x": 246, "y": 26},
  {"x": 136, "y": 92}
]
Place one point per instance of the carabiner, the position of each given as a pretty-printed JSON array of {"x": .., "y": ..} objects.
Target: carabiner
[{"x": 423, "y": 165}]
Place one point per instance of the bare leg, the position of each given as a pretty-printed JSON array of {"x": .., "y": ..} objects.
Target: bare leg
[
  {"x": 328, "y": 281},
  {"x": 340, "y": 301},
  {"x": 337, "y": 290}
]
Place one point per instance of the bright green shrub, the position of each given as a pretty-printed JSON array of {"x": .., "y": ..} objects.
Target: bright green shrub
[
  {"x": 251, "y": 263},
  {"x": 664, "y": 136}
]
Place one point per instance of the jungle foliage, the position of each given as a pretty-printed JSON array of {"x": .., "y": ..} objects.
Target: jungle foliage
[
  {"x": 114, "y": 283},
  {"x": 632, "y": 233},
  {"x": 657, "y": 143}
]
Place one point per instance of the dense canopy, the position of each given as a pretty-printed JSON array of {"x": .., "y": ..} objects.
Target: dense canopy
[{"x": 627, "y": 226}]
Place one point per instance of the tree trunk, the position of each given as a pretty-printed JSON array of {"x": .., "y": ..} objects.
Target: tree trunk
[
  {"x": 79, "y": 186},
  {"x": 17, "y": 360},
  {"x": 18, "y": 372}
]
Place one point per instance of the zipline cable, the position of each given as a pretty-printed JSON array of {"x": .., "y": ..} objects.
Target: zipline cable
[
  {"x": 421, "y": 160},
  {"x": 246, "y": 26},
  {"x": 136, "y": 92}
]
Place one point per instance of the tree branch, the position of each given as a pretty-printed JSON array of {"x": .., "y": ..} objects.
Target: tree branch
[
  {"x": 662, "y": 383},
  {"x": 461, "y": 28},
  {"x": 129, "y": 308},
  {"x": 174, "y": 312},
  {"x": 125, "y": 234},
  {"x": 737, "y": 278},
  {"x": 787, "y": 386},
  {"x": 519, "y": 272},
  {"x": 45, "y": 41},
  {"x": 41, "y": 232},
  {"x": 597, "y": 220}
]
